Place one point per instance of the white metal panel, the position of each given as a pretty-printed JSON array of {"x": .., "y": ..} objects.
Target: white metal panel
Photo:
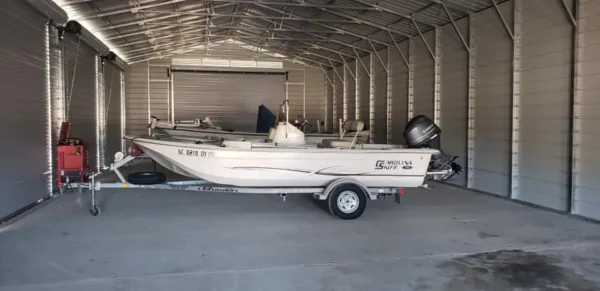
[
  {"x": 545, "y": 79},
  {"x": 491, "y": 156},
  {"x": 380, "y": 93},
  {"x": 315, "y": 95},
  {"x": 454, "y": 93},
  {"x": 112, "y": 98},
  {"x": 351, "y": 102},
  {"x": 364, "y": 89},
  {"x": 424, "y": 75},
  {"x": 136, "y": 101},
  {"x": 81, "y": 85},
  {"x": 159, "y": 92},
  {"x": 399, "y": 72},
  {"x": 295, "y": 93},
  {"x": 587, "y": 122},
  {"x": 231, "y": 100},
  {"x": 23, "y": 79}
]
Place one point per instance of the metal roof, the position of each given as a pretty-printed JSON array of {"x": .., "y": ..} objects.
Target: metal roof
[{"x": 317, "y": 32}]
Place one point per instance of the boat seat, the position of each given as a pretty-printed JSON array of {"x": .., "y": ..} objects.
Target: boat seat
[
  {"x": 336, "y": 143},
  {"x": 349, "y": 126}
]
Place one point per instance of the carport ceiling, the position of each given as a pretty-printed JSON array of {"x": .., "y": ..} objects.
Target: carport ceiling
[{"x": 315, "y": 32}]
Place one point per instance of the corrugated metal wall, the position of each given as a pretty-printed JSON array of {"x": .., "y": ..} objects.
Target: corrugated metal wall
[
  {"x": 112, "y": 98},
  {"x": 308, "y": 97},
  {"x": 492, "y": 111},
  {"x": 587, "y": 112},
  {"x": 424, "y": 75},
  {"x": 295, "y": 92},
  {"x": 545, "y": 86},
  {"x": 380, "y": 98},
  {"x": 231, "y": 100},
  {"x": 81, "y": 91},
  {"x": 351, "y": 83},
  {"x": 399, "y": 72},
  {"x": 454, "y": 93},
  {"x": 136, "y": 99},
  {"x": 160, "y": 92},
  {"x": 23, "y": 79},
  {"x": 315, "y": 92}
]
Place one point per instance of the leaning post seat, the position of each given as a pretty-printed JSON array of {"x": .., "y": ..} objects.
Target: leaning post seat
[{"x": 348, "y": 126}]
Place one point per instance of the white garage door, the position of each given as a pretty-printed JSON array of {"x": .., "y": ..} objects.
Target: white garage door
[{"x": 231, "y": 100}]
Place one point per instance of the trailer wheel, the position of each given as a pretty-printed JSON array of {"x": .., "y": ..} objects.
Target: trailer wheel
[
  {"x": 347, "y": 201},
  {"x": 146, "y": 178},
  {"x": 95, "y": 210}
]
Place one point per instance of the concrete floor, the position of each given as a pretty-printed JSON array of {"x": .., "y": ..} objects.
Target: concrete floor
[{"x": 444, "y": 239}]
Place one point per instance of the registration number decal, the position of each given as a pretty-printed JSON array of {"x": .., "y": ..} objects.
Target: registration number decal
[{"x": 195, "y": 153}]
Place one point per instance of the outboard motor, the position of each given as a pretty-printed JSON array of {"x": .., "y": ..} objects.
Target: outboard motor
[{"x": 422, "y": 132}]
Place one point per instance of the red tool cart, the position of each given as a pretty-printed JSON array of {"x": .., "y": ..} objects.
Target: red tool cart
[{"x": 72, "y": 157}]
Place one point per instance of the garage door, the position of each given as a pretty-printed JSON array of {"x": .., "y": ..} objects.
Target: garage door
[
  {"x": 23, "y": 152},
  {"x": 112, "y": 107},
  {"x": 81, "y": 92},
  {"x": 231, "y": 100}
]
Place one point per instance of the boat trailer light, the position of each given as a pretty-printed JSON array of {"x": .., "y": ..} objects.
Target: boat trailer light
[{"x": 134, "y": 151}]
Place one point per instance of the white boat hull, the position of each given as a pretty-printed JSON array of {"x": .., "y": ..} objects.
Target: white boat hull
[{"x": 290, "y": 167}]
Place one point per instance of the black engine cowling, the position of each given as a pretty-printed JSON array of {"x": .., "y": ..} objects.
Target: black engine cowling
[{"x": 422, "y": 132}]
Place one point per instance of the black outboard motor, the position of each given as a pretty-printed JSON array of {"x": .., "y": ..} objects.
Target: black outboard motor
[{"x": 422, "y": 132}]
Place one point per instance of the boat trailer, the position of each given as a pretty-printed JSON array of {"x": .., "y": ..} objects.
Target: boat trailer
[{"x": 346, "y": 198}]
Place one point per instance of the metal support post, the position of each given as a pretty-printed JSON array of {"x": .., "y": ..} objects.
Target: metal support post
[
  {"x": 576, "y": 108},
  {"x": 437, "y": 80},
  {"x": 411, "y": 78},
  {"x": 334, "y": 101},
  {"x": 345, "y": 94},
  {"x": 357, "y": 93},
  {"x": 471, "y": 105},
  {"x": 149, "y": 102},
  {"x": 304, "y": 92},
  {"x": 389, "y": 96},
  {"x": 515, "y": 101},
  {"x": 326, "y": 102},
  {"x": 372, "y": 100},
  {"x": 172, "y": 82},
  {"x": 123, "y": 111}
]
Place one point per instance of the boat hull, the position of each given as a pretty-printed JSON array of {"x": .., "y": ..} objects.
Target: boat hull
[{"x": 289, "y": 167}]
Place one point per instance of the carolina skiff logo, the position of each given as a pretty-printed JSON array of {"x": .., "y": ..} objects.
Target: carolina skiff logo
[{"x": 393, "y": 165}]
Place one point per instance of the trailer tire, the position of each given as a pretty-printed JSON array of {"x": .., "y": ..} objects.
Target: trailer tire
[
  {"x": 347, "y": 201},
  {"x": 146, "y": 178}
]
